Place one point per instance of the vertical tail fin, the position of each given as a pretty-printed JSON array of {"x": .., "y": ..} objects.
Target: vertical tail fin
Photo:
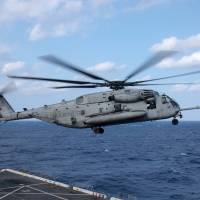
[{"x": 5, "y": 108}]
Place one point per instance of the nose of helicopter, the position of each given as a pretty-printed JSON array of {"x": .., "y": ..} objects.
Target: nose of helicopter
[{"x": 176, "y": 106}]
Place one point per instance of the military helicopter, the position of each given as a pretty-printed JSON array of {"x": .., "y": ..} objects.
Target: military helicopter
[{"x": 118, "y": 106}]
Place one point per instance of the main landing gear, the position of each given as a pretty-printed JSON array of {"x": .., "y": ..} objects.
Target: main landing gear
[
  {"x": 175, "y": 121},
  {"x": 98, "y": 130}
]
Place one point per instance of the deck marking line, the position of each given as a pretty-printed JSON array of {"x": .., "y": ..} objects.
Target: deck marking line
[
  {"x": 46, "y": 193},
  {"x": 23, "y": 185},
  {"x": 11, "y": 192},
  {"x": 66, "y": 194}
]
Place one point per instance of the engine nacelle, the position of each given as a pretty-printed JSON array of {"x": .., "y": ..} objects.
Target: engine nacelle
[
  {"x": 126, "y": 98},
  {"x": 132, "y": 97}
]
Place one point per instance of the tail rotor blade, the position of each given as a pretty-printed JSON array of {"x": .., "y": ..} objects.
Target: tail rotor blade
[{"x": 10, "y": 87}]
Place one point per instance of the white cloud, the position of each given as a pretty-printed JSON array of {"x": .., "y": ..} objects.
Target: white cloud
[
  {"x": 57, "y": 18},
  {"x": 98, "y": 3},
  {"x": 174, "y": 43},
  {"x": 145, "y": 4},
  {"x": 37, "y": 33},
  {"x": 195, "y": 87},
  {"x": 54, "y": 18},
  {"x": 190, "y": 60},
  {"x": 73, "y": 6},
  {"x": 35, "y": 88},
  {"x": 188, "y": 51},
  {"x": 106, "y": 66},
  {"x": 146, "y": 77},
  {"x": 67, "y": 28},
  {"x": 12, "y": 10},
  {"x": 12, "y": 66},
  {"x": 180, "y": 88},
  {"x": 39, "y": 88},
  {"x": 102, "y": 67},
  {"x": 186, "y": 87},
  {"x": 4, "y": 49}
]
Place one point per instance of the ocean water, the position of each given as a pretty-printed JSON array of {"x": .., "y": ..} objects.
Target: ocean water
[{"x": 143, "y": 161}]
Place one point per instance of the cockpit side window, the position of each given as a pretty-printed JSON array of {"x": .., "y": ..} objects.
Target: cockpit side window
[
  {"x": 151, "y": 104},
  {"x": 164, "y": 100}
]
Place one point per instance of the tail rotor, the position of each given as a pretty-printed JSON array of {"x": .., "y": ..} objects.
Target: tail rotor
[{"x": 9, "y": 87}]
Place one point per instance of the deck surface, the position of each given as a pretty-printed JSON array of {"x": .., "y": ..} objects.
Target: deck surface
[{"x": 14, "y": 186}]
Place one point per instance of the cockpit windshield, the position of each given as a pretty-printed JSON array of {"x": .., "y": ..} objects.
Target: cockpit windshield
[
  {"x": 174, "y": 104},
  {"x": 167, "y": 99}
]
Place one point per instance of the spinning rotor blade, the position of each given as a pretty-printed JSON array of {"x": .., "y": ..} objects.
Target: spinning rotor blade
[
  {"x": 8, "y": 88},
  {"x": 52, "y": 80},
  {"x": 157, "y": 58},
  {"x": 162, "y": 78},
  {"x": 57, "y": 61},
  {"x": 151, "y": 84},
  {"x": 75, "y": 86}
]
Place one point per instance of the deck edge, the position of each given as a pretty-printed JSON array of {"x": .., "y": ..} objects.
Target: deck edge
[{"x": 85, "y": 191}]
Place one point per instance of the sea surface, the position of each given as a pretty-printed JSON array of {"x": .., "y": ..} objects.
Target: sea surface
[{"x": 143, "y": 161}]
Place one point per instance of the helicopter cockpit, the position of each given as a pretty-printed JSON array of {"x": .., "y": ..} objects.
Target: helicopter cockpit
[{"x": 167, "y": 99}]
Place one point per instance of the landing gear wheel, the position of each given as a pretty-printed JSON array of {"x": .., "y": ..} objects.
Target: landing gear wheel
[
  {"x": 175, "y": 121},
  {"x": 98, "y": 130}
]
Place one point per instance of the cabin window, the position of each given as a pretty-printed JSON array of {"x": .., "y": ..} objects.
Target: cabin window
[
  {"x": 151, "y": 105},
  {"x": 79, "y": 100},
  {"x": 100, "y": 110},
  {"x": 111, "y": 98}
]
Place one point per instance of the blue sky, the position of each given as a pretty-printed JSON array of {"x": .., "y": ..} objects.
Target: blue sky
[{"x": 108, "y": 37}]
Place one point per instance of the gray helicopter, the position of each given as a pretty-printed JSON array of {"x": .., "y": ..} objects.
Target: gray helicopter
[{"x": 122, "y": 104}]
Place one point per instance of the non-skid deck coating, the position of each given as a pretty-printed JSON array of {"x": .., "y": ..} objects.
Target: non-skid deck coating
[{"x": 16, "y": 185}]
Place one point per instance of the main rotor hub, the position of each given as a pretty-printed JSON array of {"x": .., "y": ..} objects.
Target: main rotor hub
[{"x": 116, "y": 85}]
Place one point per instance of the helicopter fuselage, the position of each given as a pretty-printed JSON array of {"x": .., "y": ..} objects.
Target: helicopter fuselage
[{"x": 105, "y": 108}]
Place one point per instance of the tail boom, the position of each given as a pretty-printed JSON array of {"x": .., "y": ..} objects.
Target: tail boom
[{"x": 7, "y": 113}]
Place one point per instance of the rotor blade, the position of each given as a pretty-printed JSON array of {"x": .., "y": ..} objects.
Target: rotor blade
[
  {"x": 157, "y": 58},
  {"x": 151, "y": 84},
  {"x": 166, "y": 77},
  {"x": 52, "y": 80},
  {"x": 58, "y": 61},
  {"x": 190, "y": 108},
  {"x": 75, "y": 86}
]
